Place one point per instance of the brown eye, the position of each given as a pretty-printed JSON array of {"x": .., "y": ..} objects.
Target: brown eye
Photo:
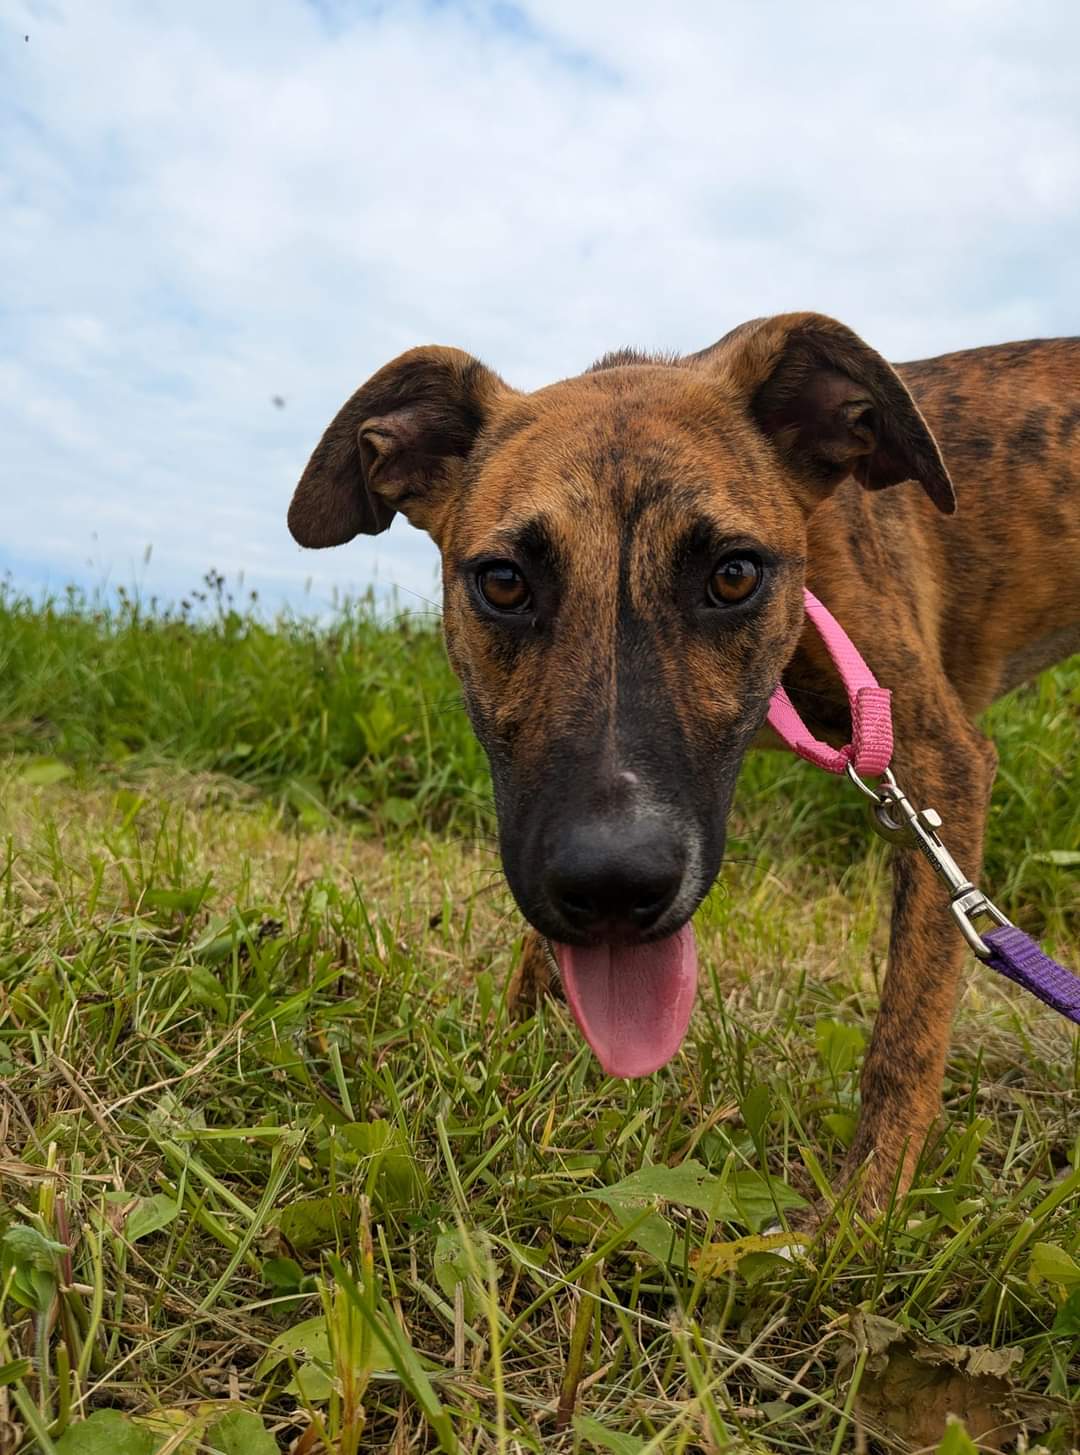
[
  {"x": 733, "y": 581},
  {"x": 503, "y": 587}
]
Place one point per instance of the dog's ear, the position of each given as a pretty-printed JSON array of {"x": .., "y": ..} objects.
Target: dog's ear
[
  {"x": 398, "y": 444},
  {"x": 830, "y": 404}
]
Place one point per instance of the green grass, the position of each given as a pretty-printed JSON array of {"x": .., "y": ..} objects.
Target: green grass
[
  {"x": 272, "y": 1149},
  {"x": 349, "y": 719}
]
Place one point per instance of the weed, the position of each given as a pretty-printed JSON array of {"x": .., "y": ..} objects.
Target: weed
[{"x": 278, "y": 1166}]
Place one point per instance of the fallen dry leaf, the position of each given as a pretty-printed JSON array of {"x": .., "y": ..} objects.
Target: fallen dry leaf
[
  {"x": 910, "y": 1387},
  {"x": 715, "y": 1259}
]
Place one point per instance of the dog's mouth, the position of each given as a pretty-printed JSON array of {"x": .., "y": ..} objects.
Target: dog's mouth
[{"x": 632, "y": 1002}]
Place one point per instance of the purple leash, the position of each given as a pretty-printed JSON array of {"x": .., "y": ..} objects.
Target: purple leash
[
  {"x": 1016, "y": 955},
  {"x": 1005, "y": 948}
]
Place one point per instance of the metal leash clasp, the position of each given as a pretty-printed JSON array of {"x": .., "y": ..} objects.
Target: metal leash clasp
[{"x": 898, "y": 821}]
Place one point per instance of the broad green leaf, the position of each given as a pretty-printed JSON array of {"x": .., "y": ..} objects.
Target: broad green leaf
[
  {"x": 32, "y": 1260},
  {"x": 106, "y": 1432},
  {"x": 283, "y": 1275},
  {"x": 756, "y": 1109},
  {"x": 578, "y": 1220},
  {"x": 956, "y": 1211},
  {"x": 527, "y": 1256},
  {"x": 607, "y": 1440},
  {"x": 581, "y": 1220},
  {"x": 398, "y": 811},
  {"x": 150, "y": 1215},
  {"x": 1067, "y": 1322},
  {"x": 459, "y": 1265},
  {"x": 759, "y": 1198},
  {"x": 1063, "y": 858},
  {"x": 20, "y": 1287},
  {"x": 240, "y": 1432},
  {"x": 1055, "y": 1265},
  {"x": 839, "y": 1045},
  {"x": 307, "y": 1345},
  {"x": 305, "y": 1340},
  {"x": 29, "y": 1248},
  {"x": 395, "y": 1179},
  {"x": 756, "y": 1267},
  {"x": 313, "y": 1382},
  {"x": 175, "y": 901},
  {"x": 842, "y": 1125},
  {"x": 956, "y": 1440},
  {"x": 28, "y": 1265},
  {"x": 689, "y": 1185},
  {"x": 746, "y": 1197},
  {"x": 315, "y": 1222},
  {"x": 41, "y": 772},
  {"x": 215, "y": 947},
  {"x": 206, "y": 990},
  {"x": 306, "y": 1348},
  {"x": 380, "y": 726},
  {"x": 451, "y": 1267},
  {"x": 659, "y": 1238},
  {"x": 44, "y": 1286}
]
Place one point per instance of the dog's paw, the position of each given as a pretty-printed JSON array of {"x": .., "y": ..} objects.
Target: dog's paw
[
  {"x": 535, "y": 976},
  {"x": 858, "y": 1198},
  {"x": 817, "y": 1220}
]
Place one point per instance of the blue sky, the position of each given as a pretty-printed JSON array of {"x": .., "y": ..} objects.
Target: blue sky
[{"x": 204, "y": 205}]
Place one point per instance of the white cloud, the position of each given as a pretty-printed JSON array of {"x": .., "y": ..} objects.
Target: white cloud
[{"x": 207, "y": 205}]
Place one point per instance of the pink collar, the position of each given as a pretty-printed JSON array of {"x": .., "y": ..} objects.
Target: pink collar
[
  {"x": 1004, "y": 948},
  {"x": 871, "y": 743}
]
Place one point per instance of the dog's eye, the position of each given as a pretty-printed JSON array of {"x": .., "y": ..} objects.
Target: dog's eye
[
  {"x": 503, "y": 587},
  {"x": 733, "y": 581}
]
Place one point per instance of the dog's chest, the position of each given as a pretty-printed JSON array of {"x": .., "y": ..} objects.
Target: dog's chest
[{"x": 1036, "y": 656}]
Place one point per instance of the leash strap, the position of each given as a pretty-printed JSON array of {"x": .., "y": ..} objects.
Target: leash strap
[
  {"x": 871, "y": 746},
  {"x": 1005, "y": 948},
  {"x": 1017, "y": 956}
]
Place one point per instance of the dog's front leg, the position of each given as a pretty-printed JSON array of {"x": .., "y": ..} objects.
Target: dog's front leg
[
  {"x": 534, "y": 977},
  {"x": 942, "y": 762}
]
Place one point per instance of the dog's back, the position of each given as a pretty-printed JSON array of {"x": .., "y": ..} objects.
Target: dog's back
[{"x": 995, "y": 589}]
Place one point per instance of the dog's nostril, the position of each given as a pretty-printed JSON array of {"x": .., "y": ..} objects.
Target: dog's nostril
[
  {"x": 648, "y": 914},
  {"x": 577, "y": 904},
  {"x": 602, "y": 878}
]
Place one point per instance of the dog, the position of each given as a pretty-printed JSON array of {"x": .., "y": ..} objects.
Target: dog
[{"x": 624, "y": 555}]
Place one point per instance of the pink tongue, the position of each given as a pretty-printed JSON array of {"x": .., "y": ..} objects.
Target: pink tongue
[{"x": 632, "y": 1004}]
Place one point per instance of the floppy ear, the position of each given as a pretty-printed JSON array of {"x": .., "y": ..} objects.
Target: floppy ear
[
  {"x": 398, "y": 444},
  {"x": 830, "y": 404}
]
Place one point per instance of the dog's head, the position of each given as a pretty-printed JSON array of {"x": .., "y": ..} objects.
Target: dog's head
[{"x": 623, "y": 562}]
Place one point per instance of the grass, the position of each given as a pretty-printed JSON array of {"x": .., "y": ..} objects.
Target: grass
[{"x": 278, "y": 1167}]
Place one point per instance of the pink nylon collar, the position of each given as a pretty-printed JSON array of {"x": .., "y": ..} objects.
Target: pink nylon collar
[
  {"x": 1004, "y": 948},
  {"x": 871, "y": 743}
]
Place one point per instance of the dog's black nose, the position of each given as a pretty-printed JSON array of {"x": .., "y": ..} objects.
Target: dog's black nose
[{"x": 613, "y": 878}]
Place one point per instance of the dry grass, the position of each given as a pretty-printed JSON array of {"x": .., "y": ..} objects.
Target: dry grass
[{"x": 277, "y": 1166}]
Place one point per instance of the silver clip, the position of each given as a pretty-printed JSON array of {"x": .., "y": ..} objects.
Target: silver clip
[{"x": 898, "y": 821}]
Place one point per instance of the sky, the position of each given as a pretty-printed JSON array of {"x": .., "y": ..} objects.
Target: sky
[{"x": 204, "y": 206}]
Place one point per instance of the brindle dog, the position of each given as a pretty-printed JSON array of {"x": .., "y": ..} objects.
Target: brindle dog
[{"x": 624, "y": 555}]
